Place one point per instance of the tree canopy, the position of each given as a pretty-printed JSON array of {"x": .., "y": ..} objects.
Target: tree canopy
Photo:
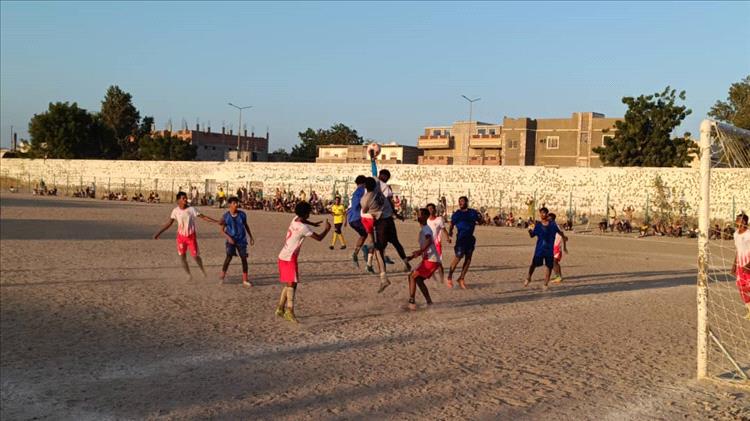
[
  {"x": 121, "y": 116},
  {"x": 66, "y": 131},
  {"x": 736, "y": 109},
  {"x": 338, "y": 134},
  {"x": 644, "y": 137}
]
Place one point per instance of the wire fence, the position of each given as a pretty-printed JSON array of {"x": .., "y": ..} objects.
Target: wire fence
[{"x": 653, "y": 205}]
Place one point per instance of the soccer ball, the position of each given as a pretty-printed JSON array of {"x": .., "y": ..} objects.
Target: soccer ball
[{"x": 373, "y": 150}]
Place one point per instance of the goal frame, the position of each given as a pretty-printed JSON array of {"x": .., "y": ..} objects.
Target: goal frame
[{"x": 704, "y": 334}]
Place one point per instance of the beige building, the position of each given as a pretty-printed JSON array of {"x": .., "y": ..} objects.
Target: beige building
[
  {"x": 563, "y": 142},
  {"x": 390, "y": 153},
  {"x": 222, "y": 146}
]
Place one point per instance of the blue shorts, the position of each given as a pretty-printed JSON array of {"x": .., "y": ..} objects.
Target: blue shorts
[
  {"x": 237, "y": 249},
  {"x": 465, "y": 246},
  {"x": 357, "y": 226},
  {"x": 548, "y": 261}
]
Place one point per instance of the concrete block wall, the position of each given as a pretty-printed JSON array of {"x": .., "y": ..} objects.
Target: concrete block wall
[{"x": 508, "y": 187}]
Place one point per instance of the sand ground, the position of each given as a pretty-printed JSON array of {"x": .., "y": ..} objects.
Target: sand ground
[{"x": 97, "y": 321}]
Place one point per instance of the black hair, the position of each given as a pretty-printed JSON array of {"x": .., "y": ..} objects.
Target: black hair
[
  {"x": 385, "y": 173},
  {"x": 303, "y": 209},
  {"x": 544, "y": 209},
  {"x": 233, "y": 199},
  {"x": 424, "y": 213},
  {"x": 370, "y": 184},
  {"x": 181, "y": 194},
  {"x": 465, "y": 198},
  {"x": 552, "y": 215},
  {"x": 360, "y": 180},
  {"x": 743, "y": 216},
  {"x": 430, "y": 204}
]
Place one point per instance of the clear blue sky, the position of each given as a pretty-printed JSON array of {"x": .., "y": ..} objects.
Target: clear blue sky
[{"x": 386, "y": 69}]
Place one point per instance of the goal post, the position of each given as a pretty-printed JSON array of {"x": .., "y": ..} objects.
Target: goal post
[{"x": 723, "y": 336}]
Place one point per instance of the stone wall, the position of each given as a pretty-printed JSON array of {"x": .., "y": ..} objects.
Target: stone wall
[{"x": 586, "y": 190}]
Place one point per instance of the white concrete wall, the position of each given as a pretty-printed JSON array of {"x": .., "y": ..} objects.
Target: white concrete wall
[{"x": 486, "y": 186}]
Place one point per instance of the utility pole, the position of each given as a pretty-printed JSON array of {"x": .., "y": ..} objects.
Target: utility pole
[{"x": 239, "y": 127}]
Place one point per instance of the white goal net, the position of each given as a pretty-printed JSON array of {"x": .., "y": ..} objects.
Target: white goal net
[{"x": 723, "y": 288}]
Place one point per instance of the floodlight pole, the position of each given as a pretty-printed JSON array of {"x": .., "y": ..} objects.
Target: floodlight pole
[
  {"x": 239, "y": 128},
  {"x": 468, "y": 137}
]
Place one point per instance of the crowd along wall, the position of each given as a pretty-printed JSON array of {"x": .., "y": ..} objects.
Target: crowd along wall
[{"x": 582, "y": 190}]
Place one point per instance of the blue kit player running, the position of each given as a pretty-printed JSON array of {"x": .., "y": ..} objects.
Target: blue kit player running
[
  {"x": 234, "y": 226},
  {"x": 545, "y": 231},
  {"x": 464, "y": 220}
]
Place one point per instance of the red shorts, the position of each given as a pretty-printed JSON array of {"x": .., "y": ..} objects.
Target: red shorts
[
  {"x": 426, "y": 269},
  {"x": 185, "y": 243},
  {"x": 743, "y": 284},
  {"x": 557, "y": 254},
  {"x": 288, "y": 271},
  {"x": 368, "y": 223}
]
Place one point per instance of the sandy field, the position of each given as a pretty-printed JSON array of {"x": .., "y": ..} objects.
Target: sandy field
[{"x": 97, "y": 321}]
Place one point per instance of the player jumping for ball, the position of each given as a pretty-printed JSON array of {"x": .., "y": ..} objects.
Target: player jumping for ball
[
  {"x": 234, "y": 226},
  {"x": 186, "y": 235}
]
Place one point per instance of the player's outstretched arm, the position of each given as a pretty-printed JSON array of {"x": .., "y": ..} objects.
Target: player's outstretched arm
[
  {"x": 207, "y": 218},
  {"x": 164, "y": 228},
  {"x": 320, "y": 236}
]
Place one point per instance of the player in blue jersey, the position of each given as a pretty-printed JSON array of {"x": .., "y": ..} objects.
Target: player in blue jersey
[
  {"x": 464, "y": 219},
  {"x": 545, "y": 231},
  {"x": 354, "y": 219},
  {"x": 235, "y": 229}
]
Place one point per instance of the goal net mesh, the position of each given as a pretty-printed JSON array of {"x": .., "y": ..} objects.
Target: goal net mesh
[{"x": 727, "y": 313}]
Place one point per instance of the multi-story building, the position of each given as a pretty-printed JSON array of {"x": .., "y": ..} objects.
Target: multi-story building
[
  {"x": 563, "y": 142},
  {"x": 390, "y": 153},
  {"x": 222, "y": 146}
]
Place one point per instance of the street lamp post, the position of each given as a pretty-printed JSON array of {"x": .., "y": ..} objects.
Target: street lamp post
[
  {"x": 471, "y": 110},
  {"x": 239, "y": 128}
]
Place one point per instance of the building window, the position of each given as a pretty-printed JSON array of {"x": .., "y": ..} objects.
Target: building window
[
  {"x": 492, "y": 131},
  {"x": 482, "y": 131},
  {"x": 553, "y": 142},
  {"x": 513, "y": 144},
  {"x": 447, "y": 133},
  {"x": 436, "y": 132},
  {"x": 607, "y": 136}
]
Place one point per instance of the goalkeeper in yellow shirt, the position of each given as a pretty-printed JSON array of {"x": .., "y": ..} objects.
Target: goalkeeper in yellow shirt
[{"x": 339, "y": 217}]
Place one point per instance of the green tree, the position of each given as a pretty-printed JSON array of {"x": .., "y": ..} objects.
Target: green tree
[
  {"x": 338, "y": 134},
  {"x": 121, "y": 116},
  {"x": 67, "y": 131},
  {"x": 736, "y": 109},
  {"x": 644, "y": 137},
  {"x": 165, "y": 148}
]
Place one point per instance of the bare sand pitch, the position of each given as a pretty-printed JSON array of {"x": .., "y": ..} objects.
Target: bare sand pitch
[{"x": 97, "y": 322}]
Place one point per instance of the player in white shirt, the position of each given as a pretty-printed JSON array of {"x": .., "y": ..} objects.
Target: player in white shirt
[
  {"x": 561, "y": 244},
  {"x": 299, "y": 229},
  {"x": 430, "y": 261},
  {"x": 437, "y": 224},
  {"x": 741, "y": 266},
  {"x": 186, "y": 235}
]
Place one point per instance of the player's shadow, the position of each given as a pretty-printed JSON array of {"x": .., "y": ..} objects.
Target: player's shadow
[
  {"x": 677, "y": 278},
  {"x": 40, "y": 229}
]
